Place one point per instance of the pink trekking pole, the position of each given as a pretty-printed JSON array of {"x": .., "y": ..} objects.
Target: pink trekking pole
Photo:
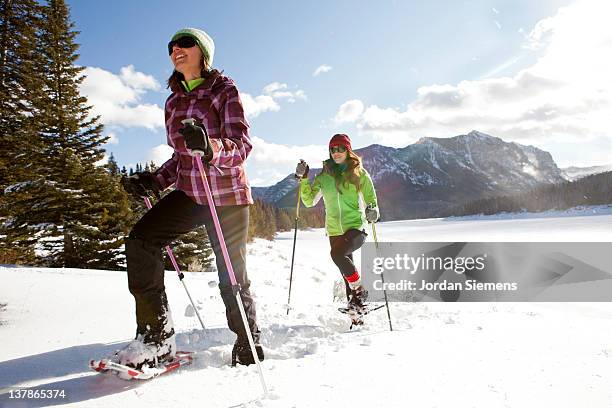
[
  {"x": 235, "y": 286},
  {"x": 178, "y": 271}
]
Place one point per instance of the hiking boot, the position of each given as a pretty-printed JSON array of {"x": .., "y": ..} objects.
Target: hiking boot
[
  {"x": 357, "y": 298},
  {"x": 139, "y": 353},
  {"x": 241, "y": 353}
]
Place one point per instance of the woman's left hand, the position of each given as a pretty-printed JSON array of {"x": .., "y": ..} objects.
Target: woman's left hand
[{"x": 372, "y": 214}]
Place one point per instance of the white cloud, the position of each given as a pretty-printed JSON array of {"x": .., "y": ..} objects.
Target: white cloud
[
  {"x": 273, "y": 93},
  {"x": 565, "y": 96},
  {"x": 349, "y": 111},
  {"x": 117, "y": 98},
  {"x": 276, "y": 90},
  {"x": 254, "y": 106},
  {"x": 273, "y": 87},
  {"x": 159, "y": 154},
  {"x": 321, "y": 69},
  {"x": 269, "y": 163},
  {"x": 541, "y": 33},
  {"x": 113, "y": 139},
  {"x": 138, "y": 80}
]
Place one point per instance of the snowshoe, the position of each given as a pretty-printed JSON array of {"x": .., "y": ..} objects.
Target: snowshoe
[
  {"x": 140, "y": 353},
  {"x": 356, "y": 314},
  {"x": 125, "y": 372}
]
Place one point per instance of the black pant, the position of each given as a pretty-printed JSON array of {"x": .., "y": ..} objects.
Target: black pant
[
  {"x": 342, "y": 248},
  {"x": 175, "y": 215}
]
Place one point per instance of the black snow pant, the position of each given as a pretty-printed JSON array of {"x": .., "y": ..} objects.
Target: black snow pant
[
  {"x": 342, "y": 248},
  {"x": 172, "y": 216}
]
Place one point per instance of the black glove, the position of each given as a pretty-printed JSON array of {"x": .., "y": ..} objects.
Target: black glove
[
  {"x": 142, "y": 184},
  {"x": 301, "y": 170},
  {"x": 371, "y": 213},
  {"x": 196, "y": 140}
]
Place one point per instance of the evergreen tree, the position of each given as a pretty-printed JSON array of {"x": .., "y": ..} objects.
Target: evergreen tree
[
  {"x": 20, "y": 84},
  {"x": 284, "y": 222},
  {"x": 254, "y": 223},
  {"x": 75, "y": 212},
  {"x": 262, "y": 221},
  {"x": 112, "y": 165},
  {"x": 192, "y": 251}
]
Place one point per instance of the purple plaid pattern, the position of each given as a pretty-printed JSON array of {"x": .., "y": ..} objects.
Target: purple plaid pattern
[{"x": 216, "y": 104}]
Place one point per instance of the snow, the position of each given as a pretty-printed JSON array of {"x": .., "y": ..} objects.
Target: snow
[{"x": 439, "y": 354}]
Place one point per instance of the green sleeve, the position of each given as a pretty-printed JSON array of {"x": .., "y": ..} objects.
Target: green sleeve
[
  {"x": 367, "y": 188},
  {"x": 311, "y": 194}
]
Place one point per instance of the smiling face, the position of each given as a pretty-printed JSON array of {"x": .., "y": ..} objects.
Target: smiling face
[
  {"x": 187, "y": 61},
  {"x": 338, "y": 156}
]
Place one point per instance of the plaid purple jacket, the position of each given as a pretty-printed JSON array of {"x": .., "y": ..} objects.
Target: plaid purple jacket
[{"x": 216, "y": 104}]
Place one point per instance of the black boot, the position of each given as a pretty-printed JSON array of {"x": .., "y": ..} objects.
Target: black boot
[
  {"x": 241, "y": 353},
  {"x": 357, "y": 298}
]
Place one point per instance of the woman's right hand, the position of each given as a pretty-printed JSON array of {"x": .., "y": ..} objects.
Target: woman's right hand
[
  {"x": 142, "y": 184},
  {"x": 301, "y": 170}
]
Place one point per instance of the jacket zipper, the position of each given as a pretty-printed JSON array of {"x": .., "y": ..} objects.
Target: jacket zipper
[{"x": 340, "y": 210}]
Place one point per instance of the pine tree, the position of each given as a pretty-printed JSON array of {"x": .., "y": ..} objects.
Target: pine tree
[
  {"x": 254, "y": 223},
  {"x": 262, "y": 221},
  {"x": 192, "y": 251},
  {"x": 283, "y": 220},
  {"x": 269, "y": 221},
  {"x": 75, "y": 213},
  {"x": 20, "y": 85},
  {"x": 112, "y": 165}
]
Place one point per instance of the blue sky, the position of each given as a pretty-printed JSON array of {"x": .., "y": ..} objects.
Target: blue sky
[{"x": 390, "y": 73}]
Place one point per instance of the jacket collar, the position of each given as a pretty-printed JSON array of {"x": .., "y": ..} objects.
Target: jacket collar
[{"x": 207, "y": 85}]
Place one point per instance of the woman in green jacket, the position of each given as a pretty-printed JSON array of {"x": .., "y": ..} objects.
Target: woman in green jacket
[{"x": 350, "y": 201}]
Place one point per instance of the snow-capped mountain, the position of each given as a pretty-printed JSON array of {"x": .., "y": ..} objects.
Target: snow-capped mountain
[
  {"x": 574, "y": 173},
  {"x": 276, "y": 192},
  {"x": 437, "y": 173}
]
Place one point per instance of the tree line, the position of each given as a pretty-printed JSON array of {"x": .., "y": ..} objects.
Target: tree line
[
  {"x": 595, "y": 189},
  {"x": 59, "y": 206}
]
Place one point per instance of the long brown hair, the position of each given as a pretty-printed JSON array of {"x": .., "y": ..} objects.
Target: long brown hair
[{"x": 352, "y": 174}]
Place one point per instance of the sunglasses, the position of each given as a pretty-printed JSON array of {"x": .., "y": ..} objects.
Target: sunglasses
[
  {"x": 182, "y": 42},
  {"x": 337, "y": 149}
]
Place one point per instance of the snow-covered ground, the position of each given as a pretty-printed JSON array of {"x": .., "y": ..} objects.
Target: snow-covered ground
[{"x": 52, "y": 321}]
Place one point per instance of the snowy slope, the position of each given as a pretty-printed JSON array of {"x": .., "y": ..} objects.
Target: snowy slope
[
  {"x": 576, "y": 173},
  {"x": 460, "y": 355}
]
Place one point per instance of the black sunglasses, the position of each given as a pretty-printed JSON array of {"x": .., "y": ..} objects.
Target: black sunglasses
[
  {"x": 337, "y": 149},
  {"x": 182, "y": 42}
]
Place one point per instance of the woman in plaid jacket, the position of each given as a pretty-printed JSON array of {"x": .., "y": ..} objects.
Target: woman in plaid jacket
[{"x": 213, "y": 102}]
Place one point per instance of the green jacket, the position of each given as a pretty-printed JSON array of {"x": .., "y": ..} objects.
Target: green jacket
[{"x": 344, "y": 210}]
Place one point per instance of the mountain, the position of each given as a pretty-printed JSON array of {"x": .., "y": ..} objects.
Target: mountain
[
  {"x": 434, "y": 174},
  {"x": 574, "y": 173},
  {"x": 276, "y": 192}
]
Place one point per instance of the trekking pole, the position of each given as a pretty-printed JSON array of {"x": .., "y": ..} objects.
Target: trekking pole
[
  {"x": 382, "y": 278},
  {"x": 228, "y": 263},
  {"x": 297, "y": 217},
  {"x": 181, "y": 276}
]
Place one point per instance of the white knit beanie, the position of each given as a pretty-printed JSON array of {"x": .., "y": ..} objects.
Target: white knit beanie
[{"x": 205, "y": 42}]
